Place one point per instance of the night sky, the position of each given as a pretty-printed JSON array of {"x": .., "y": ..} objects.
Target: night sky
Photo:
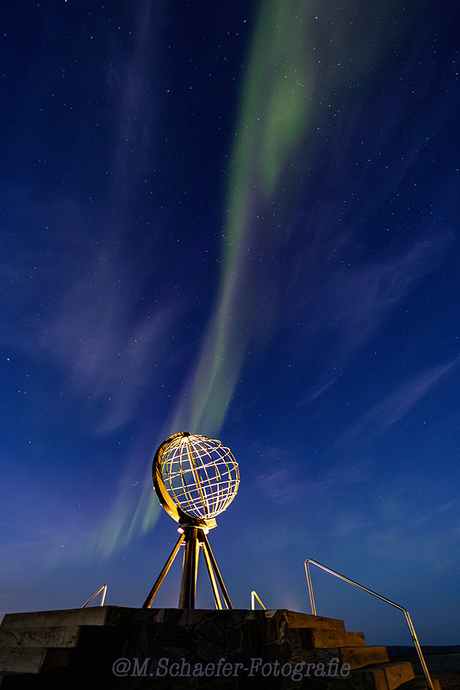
[{"x": 237, "y": 219}]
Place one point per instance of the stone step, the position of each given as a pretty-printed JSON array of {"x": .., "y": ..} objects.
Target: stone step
[
  {"x": 327, "y": 639},
  {"x": 358, "y": 657},
  {"x": 95, "y": 615},
  {"x": 306, "y": 620},
  {"x": 385, "y": 676},
  {"x": 21, "y": 660},
  {"x": 43, "y": 637}
]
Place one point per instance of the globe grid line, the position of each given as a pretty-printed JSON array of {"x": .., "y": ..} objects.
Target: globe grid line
[
  {"x": 195, "y": 478},
  {"x": 207, "y": 472}
]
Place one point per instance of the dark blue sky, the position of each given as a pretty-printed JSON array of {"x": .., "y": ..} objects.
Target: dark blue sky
[{"x": 239, "y": 220}]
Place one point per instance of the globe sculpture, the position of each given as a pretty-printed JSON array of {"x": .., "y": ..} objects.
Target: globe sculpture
[{"x": 195, "y": 478}]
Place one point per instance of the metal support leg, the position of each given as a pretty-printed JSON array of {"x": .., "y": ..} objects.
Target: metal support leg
[
  {"x": 189, "y": 569},
  {"x": 212, "y": 579},
  {"x": 161, "y": 577},
  {"x": 206, "y": 546},
  {"x": 194, "y": 537}
]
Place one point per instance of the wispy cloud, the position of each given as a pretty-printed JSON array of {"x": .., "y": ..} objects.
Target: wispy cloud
[
  {"x": 421, "y": 535},
  {"x": 342, "y": 299},
  {"x": 397, "y": 405},
  {"x": 70, "y": 291},
  {"x": 286, "y": 483},
  {"x": 106, "y": 354},
  {"x": 77, "y": 301},
  {"x": 131, "y": 75}
]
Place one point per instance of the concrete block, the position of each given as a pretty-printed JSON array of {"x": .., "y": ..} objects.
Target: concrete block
[
  {"x": 387, "y": 676},
  {"x": 358, "y": 657},
  {"x": 306, "y": 620},
  {"x": 51, "y": 636},
  {"x": 324, "y": 638},
  {"x": 21, "y": 660},
  {"x": 96, "y": 615}
]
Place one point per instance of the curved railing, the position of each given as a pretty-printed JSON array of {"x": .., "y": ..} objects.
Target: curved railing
[{"x": 374, "y": 594}]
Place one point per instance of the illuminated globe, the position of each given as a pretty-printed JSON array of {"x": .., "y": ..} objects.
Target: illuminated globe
[{"x": 196, "y": 478}]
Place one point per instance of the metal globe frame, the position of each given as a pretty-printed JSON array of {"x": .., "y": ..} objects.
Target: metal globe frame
[{"x": 195, "y": 478}]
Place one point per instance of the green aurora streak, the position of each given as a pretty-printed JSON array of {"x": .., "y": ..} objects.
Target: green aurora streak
[
  {"x": 291, "y": 39},
  {"x": 272, "y": 120}
]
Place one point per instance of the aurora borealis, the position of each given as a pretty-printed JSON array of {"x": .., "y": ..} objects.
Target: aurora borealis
[{"x": 238, "y": 221}]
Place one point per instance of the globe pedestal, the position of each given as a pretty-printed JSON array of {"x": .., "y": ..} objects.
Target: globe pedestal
[
  {"x": 195, "y": 478},
  {"x": 193, "y": 538}
]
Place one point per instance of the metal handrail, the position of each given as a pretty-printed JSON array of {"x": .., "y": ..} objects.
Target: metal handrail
[
  {"x": 104, "y": 587},
  {"x": 254, "y": 596},
  {"x": 369, "y": 591}
]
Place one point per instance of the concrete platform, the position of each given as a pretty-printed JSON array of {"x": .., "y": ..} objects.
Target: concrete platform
[{"x": 113, "y": 647}]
